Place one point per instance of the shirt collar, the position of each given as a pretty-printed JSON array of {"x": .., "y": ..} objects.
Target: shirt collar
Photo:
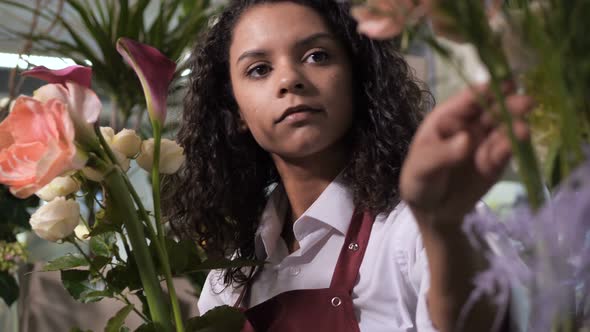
[{"x": 334, "y": 207}]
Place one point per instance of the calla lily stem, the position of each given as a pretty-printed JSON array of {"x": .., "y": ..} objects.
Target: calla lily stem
[
  {"x": 124, "y": 209},
  {"x": 117, "y": 183},
  {"x": 157, "y": 130}
]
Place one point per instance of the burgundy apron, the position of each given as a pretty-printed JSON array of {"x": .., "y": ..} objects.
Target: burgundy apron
[{"x": 327, "y": 309}]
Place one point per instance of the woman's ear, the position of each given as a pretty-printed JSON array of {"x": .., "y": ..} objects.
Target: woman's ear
[{"x": 242, "y": 125}]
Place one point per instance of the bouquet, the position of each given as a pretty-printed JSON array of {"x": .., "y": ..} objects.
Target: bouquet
[{"x": 52, "y": 147}]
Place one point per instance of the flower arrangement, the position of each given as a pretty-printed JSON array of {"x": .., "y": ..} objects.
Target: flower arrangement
[
  {"x": 52, "y": 147},
  {"x": 542, "y": 243}
]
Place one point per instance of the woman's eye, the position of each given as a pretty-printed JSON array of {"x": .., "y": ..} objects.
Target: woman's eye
[
  {"x": 258, "y": 71},
  {"x": 317, "y": 57}
]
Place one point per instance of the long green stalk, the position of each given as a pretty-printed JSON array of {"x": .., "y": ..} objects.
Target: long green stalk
[
  {"x": 161, "y": 235},
  {"x": 124, "y": 209},
  {"x": 528, "y": 167},
  {"x": 158, "y": 237}
]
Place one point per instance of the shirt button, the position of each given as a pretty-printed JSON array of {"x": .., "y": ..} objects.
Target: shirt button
[
  {"x": 294, "y": 271},
  {"x": 336, "y": 301},
  {"x": 353, "y": 246}
]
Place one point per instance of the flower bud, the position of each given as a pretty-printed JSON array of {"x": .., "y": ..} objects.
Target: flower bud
[
  {"x": 127, "y": 142},
  {"x": 171, "y": 156},
  {"x": 108, "y": 133},
  {"x": 60, "y": 186},
  {"x": 82, "y": 232},
  {"x": 122, "y": 160},
  {"x": 56, "y": 219}
]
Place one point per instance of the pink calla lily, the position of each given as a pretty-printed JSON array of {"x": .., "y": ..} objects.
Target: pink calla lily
[
  {"x": 155, "y": 72},
  {"x": 78, "y": 74}
]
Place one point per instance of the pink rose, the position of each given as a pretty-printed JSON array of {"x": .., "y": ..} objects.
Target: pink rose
[{"x": 36, "y": 145}]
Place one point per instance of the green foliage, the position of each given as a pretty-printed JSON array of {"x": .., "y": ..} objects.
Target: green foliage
[
  {"x": 124, "y": 276},
  {"x": 83, "y": 287},
  {"x": 66, "y": 262},
  {"x": 556, "y": 34},
  {"x": 8, "y": 288},
  {"x": 147, "y": 327},
  {"x": 220, "y": 319},
  {"x": 14, "y": 216},
  {"x": 103, "y": 244},
  {"x": 115, "y": 324}
]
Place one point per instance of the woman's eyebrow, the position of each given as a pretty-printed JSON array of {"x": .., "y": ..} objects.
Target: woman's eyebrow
[
  {"x": 298, "y": 44},
  {"x": 313, "y": 38}
]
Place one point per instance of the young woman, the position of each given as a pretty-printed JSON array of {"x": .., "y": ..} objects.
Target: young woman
[{"x": 295, "y": 130}]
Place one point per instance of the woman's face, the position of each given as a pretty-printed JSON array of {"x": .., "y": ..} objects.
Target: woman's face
[{"x": 291, "y": 78}]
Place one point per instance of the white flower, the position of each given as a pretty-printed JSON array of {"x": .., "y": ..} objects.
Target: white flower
[
  {"x": 122, "y": 160},
  {"x": 60, "y": 186},
  {"x": 108, "y": 133},
  {"x": 56, "y": 219},
  {"x": 82, "y": 232},
  {"x": 127, "y": 142},
  {"x": 171, "y": 156}
]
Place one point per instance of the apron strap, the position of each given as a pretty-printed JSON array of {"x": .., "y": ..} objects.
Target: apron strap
[{"x": 353, "y": 251}]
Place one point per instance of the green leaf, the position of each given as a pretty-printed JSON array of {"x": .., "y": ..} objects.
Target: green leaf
[
  {"x": 98, "y": 262},
  {"x": 80, "y": 285},
  {"x": 8, "y": 288},
  {"x": 66, "y": 262},
  {"x": 147, "y": 327},
  {"x": 116, "y": 322},
  {"x": 103, "y": 244},
  {"x": 121, "y": 277},
  {"x": 223, "y": 318},
  {"x": 103, "y": 226},
  {"x": 77, "y": 329}
]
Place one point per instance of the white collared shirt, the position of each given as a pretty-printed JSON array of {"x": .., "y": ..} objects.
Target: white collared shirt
[{"x": 390, "y": 294}]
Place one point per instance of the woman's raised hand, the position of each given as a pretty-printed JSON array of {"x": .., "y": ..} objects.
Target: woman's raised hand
[{"x": 459, "y": 152}]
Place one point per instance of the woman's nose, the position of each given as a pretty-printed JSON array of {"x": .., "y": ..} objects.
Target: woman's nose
[{"x": 291, "y": 81}]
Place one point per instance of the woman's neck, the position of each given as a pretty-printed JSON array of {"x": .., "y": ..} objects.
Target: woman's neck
[{"x": 305, "y": 179}]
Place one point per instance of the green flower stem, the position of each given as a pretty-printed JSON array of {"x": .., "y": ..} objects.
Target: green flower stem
[
  {"x": 157, "y": 130},
  {"x": 528, "y": 167},
  {"x": 124, "y": 210},
  {"x": 157, "y": 238},
  {"x": 123, "y": 297}
]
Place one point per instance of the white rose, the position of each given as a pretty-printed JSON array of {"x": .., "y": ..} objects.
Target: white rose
[
  {"x": 171, "y": 156},
  {"x": 127, "y": 142},
  {"x": 56, "y": 219},
  {"x": 60, "y": 186},
  {"x": 108, "y": 133}
]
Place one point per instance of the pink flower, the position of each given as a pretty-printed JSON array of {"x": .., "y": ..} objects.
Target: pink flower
[
  {"x": 77, "y": 74},
  {"x": 36, "y": 145},
  {"x": 71, "y": 86},
  {"x": 384, "y": 19},
  {"x": 155, "y": 72}
]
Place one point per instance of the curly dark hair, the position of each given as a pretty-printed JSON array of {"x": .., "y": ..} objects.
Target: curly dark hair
[{"x": 219, "y": 194}]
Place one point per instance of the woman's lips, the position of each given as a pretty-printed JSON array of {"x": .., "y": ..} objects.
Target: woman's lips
[{"x": 297, "y": 113}]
